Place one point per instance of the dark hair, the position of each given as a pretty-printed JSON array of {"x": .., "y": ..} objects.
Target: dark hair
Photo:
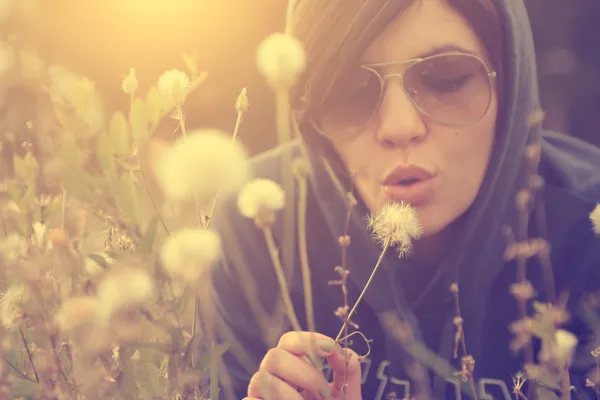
[{"x": 335, "y": 34}]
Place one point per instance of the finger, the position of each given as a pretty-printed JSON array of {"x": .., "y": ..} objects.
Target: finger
[
  {"x": 346, "y": 372},
  {"x": 268, "y": 387},
  {"x": 295, "y": 371},
  {"x": 310, "y": 344}
]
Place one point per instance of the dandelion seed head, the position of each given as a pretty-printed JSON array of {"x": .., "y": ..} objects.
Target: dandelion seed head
[
  {"x": 174, "y": 86},
  {"x": 204, "y": 162},
  {"x": 78, "y": 312},
  {"x": 188, "y": 253},
  {"x": 124, "y": 287},
  {"x": 281, "y": 59},
  {"x": 595, "y": 218},
  {"x": 396, "y": 224},
  {"x": 260, "y": 199}
]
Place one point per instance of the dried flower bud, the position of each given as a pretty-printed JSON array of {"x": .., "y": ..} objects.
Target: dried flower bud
[
  {"x": 344, "y": 241},
  {"x": 533, "y": 153},
  {"x": 522, "y": 291},
  {"x": 524, "y": 199},
  {"x": 130, "y": 83},
  {"x": 536, "y": 118},
  {"x": 241, "y": 104},
  {"x": 300, "y": 168},
  {"x": 454, "y": 287},
  {"x": 536, "y": 182},
  {"x": 457, "y": 321}
]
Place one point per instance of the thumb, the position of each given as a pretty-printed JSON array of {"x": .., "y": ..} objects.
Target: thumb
[{"x": 346, "y": 372}]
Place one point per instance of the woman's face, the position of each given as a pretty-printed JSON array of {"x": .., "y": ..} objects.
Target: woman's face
[{"x": 450, "y": 160}]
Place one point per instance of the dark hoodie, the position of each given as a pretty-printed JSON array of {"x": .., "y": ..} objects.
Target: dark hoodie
[{"x": 571, "y": 171}]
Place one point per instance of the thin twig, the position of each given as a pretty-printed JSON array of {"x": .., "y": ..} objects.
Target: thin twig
[
  {"x": 305, "y": 268},
  {"x": 37, "y": 379},
  {"x": 386, "y": 245},
  {"x": 17, "y": 370},
  {"x": 285, "y": 293}
]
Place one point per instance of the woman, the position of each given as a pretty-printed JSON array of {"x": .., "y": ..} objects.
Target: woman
[{"x": 431, "y": 103}]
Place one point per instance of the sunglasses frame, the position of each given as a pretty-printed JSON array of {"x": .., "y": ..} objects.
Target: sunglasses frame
[{"x": 491, "y": 74}]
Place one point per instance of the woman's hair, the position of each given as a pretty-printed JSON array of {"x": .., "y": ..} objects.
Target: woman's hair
[{"x": 336, "y": 33}]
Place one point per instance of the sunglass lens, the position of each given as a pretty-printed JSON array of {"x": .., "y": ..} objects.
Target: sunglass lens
[{"x": 452, "y": 88}]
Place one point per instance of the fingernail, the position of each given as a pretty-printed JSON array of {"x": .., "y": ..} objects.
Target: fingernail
[
  {"x": 326, "y": 345},
  {"x": 325, "y": 392}
]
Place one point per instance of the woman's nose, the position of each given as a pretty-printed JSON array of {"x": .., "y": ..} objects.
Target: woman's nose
[{"x": 400, "y": 123}]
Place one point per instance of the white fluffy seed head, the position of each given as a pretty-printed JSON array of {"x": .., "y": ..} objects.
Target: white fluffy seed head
[
  {"x": 281, "y": 59},
  {"x": 187, "y": 254},
  {"x": 204, "y": 162},
  {"x": 396, "y": 224},
  {"x": 260, "y": 200},
  {"x": 174, "y": 86},
  {"x": 124, "y": 287}
]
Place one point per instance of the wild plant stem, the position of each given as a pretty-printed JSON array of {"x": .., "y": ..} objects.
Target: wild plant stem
[
  {"x": 306, "y": 278},
  {"x": 285, "y": 293},
  {"x": 238, "y": 122},
  {"x": 63, "y": 207},
  {"x": 463, "y": 340},
  {"x": 24, "y": 340},
  {"x": 386, "y": 245},
  {"x": 17, "y": 370},
  {"x": 152, "y": 199}
]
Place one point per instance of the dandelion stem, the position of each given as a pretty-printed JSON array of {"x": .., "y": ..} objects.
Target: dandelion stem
[
  {"x": 306, "y": 280},
  {"x": 238, "y": 122},
  {"x": 181, "y": 119},
  {"x": 63, "y": 207},
  {"x": 24, "y": 340},
  {"x": 285, "y": 293},
  {"x": 386, "y": 245},
  {"x": 17, "y": 370},
  {"x": 152, "y": 199}
]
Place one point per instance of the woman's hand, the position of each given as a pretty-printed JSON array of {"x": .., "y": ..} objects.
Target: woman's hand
[{"x": 291, "y": 366}]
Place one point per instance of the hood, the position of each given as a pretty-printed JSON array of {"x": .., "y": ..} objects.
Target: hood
[{"x": 478, "y": 255}]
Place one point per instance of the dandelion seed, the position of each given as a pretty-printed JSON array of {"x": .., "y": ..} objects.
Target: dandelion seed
[
  {"x": 130, "y": 82},
  {"x": 78, "y": 312},
  {"x": 122, "y": 288},
  {"x": 204, "y": 162},
  {"x": 396, "y": 224},
  {"x": 260, "y": 199},
  {"x": 595, "y": 218},
  {"x": 11, "y": 311},
  {"x": 174, "y": 85},
  {"x": 187, "y": 254},
  {"x": 281, "y": 59}
]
